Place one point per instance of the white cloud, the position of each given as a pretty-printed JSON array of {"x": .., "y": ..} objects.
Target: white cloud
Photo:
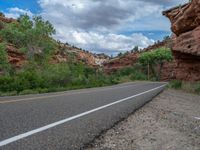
[
  {"x": 15, "y": 12},
  {"x": 109, "y": 43},
  {"x": 96, "y": 24}
]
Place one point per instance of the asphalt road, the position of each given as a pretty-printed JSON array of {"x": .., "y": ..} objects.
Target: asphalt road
[{"x": 68, "y": 120}]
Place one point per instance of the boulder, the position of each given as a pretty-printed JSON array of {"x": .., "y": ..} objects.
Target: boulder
[{"x": 184, "y": 18}]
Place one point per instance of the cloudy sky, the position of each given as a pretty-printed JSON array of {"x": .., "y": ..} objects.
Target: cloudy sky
[{"x": 108, "y": 26}]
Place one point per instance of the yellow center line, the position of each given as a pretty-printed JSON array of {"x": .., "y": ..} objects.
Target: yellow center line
[
  {"x": 28, "y": 99},
  {"x": 62, "y": 94}
]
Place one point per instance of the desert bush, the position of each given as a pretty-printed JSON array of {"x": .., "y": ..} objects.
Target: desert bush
[
  {"x": 25, "y": 92},
  {"x": 175, "y": 84}
]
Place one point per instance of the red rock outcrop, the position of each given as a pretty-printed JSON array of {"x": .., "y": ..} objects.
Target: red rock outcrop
[
  {"x": 15, "y": 58},
  {"x": 118, "y": 63},
  {"x": 186, "y": 42},
  {"x": 7, "y": 20},
  {"x": 129, "y": 59},
  {"x": 184, "y": 67},
  {"x": 184, "y": 18},
  {"x": 72, "y": 53}
]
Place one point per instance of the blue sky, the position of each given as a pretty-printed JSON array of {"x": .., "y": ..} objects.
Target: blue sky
[
  {"x": 31, "y": 5},
  {"x": 98, "y": 25}
]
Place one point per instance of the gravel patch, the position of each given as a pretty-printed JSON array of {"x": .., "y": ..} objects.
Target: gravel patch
[{"x": 169, "y": 122}]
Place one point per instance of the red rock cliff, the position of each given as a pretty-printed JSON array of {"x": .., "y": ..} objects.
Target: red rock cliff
[
  {"x": 129, "y": 59},
  {"x": 185, "y": 22}
]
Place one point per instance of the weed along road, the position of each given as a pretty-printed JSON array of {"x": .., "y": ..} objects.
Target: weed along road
[{"x": 68, "y": 120}]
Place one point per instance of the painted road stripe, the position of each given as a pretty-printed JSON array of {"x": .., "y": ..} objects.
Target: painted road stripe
[
  {"x": 29, "y": 133},
  {"x": 62, "y": 94}
]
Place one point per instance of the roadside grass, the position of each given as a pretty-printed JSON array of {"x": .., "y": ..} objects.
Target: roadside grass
[
  {"x": 175, "y": 84},
  {"x": 190, "y": 87}
]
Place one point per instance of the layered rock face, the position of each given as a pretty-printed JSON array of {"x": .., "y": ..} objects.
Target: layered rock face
[
  {"x": 129, "y": 59},
  {"x": 118, "y": 63},
  {"x": 184, "y": 18},
  {"x": 186, "y": 42}
]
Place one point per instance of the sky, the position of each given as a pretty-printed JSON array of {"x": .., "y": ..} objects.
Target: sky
[{"x": 100, "y": 26}]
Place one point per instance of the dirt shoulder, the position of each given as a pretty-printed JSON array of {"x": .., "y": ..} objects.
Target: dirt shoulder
[{"x": 171, "y": 121}]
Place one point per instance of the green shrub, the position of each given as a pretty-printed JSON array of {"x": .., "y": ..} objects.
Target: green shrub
[
  {"x": 42, "y": 90},
  {"x": 23, "y": 50},
  {"x": 138, "y": 76},
  {"x": 175, "y": 84},
  {"x": 6, "y": 83},
  {"x": 4, "y": 65},
  {"x": 26, "y": 92},
  {"x": 53, "y": 78},
  {"x": 12, "y": 93},
  {"x": 197, "y": 88}
]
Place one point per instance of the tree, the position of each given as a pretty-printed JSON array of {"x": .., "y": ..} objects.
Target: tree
[
  {"x": 155, "y": 58},
  {"x": 33, "y": 35},
  {"x": 166, "y": 38},
  {"x": 119, "y": 54},
  {"x": 4, "y": 65},
  {"x": 2, "y": 15},
  {"x": 135, "y": 49}
]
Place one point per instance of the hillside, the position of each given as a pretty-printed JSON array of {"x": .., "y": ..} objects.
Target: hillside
[
  {"x": 63, "y": 52},
  {"x": 31, "y": 61},
  {"x": 130, "y": 58}
]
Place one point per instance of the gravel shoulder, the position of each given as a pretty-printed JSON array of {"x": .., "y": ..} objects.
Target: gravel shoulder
[{"x": 171, "y": 121}]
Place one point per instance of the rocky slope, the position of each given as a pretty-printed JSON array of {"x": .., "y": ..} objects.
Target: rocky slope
[
  {"x": 64, "y": 52},
  {"x": 68, "y": 53},
  {"x": 118, "y": 63},
  {"x": 185, "y": 22},
  {"x": 129, "y": 59}
]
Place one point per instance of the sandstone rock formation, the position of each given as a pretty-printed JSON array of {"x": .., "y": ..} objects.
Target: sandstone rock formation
[
  {"x": 15, "y": 58},
  {"x": 72, "y": 53},
  {"x": 186, "y": 42},
  {"x": 129, "y": 59},
  {"x": 184, "y": 18},
  {"x": 118, "y": 63}
]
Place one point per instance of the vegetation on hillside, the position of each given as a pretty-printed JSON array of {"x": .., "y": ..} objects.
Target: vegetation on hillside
[
  {"x": 33, "y": 37},
  {"x": 4, "y": 65}
]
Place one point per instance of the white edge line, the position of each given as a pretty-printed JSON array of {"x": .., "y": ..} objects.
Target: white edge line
[
  {"x": 29, "y": 133},
  {"x": 198, "y": 118}
]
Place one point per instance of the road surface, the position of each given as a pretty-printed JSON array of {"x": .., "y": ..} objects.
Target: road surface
[{"x": 68, "y": 120}]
